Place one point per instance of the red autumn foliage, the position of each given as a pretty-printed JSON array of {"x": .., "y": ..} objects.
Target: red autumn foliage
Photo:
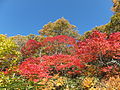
[
  {"x": 61, "y": 62},
  {"x": 30, "y": 47},
  {"x": 34, "y": 68},
  {"x": 43, "y": 66},
  {"x": 53, "y": 45},
  {"x": 60, "y": 39},
  {"x": 106, "y": 69},
  {"x": 114, "y": 39},
  {"x": 98, "y": 48},
  {"x": 59, "y": 45}
]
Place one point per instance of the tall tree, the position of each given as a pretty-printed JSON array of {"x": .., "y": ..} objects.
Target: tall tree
[{"x": 59, "y": 27}]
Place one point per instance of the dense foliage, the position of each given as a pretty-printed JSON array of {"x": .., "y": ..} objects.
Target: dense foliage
[
  {"x": 60, "y": 59},
  {"x": 116, "y": 6},
  {"x": 59, "y": 27},
  {"x": 9, "y": 55}
]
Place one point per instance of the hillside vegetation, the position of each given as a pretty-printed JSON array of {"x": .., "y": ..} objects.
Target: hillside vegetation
[{"x": 62, "y": 59}]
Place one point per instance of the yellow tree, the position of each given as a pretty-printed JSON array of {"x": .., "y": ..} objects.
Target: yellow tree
[
  {"x": 116, "y": 6},
  {"x": 9, "y": 55}
]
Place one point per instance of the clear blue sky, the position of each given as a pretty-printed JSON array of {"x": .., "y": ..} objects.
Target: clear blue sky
[{"x": 28, "y": 16}]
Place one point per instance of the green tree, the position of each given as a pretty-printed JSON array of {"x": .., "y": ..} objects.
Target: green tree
[
  {"x": 112, "y": 26},
  {"x": 59, "y": 27}
]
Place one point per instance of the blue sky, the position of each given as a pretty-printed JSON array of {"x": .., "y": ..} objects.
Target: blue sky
[{"x": 28, "y": 16}]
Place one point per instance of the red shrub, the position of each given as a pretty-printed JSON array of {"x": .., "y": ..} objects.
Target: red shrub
[
  {"x": 34, "y": 68},
  {"x": 44, "y": 66},
  {"x": 98, "y": 49},
  {"x": 30, "y": 47}
]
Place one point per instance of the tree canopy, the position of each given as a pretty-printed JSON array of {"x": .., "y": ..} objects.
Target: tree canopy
[{"x": 59, "y": 27}]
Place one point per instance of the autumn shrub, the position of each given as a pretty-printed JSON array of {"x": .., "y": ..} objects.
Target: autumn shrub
[
  {"x": 34, "y": 68},
  {"x": 14, "y": 82},
  {"x": 60, "y": 44},
  {"x": 30, "y": 48},
  {"x": 41, "y": 67},
  {"x": 113, "y": 83},
  {"x": 89, "y": 82},
  {"x": 99, "y": 49},
  {"x": 56, "y": 82}
]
